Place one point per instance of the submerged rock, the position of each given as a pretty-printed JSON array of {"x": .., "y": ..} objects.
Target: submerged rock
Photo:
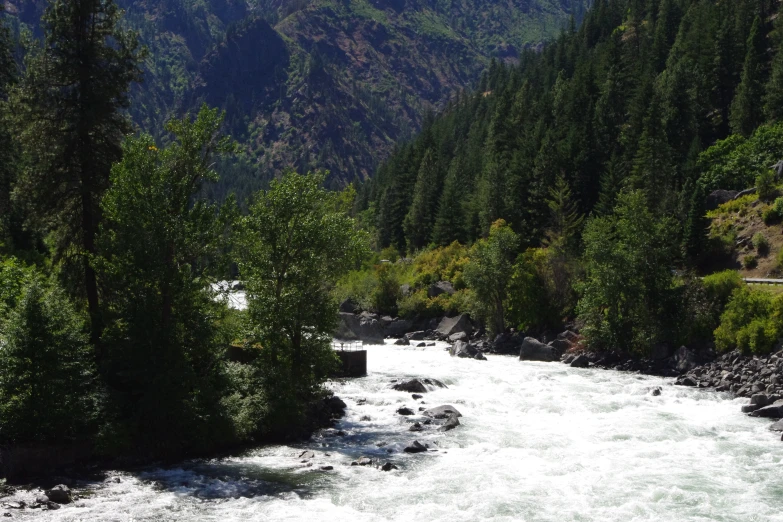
[
  {"x": 388, "y": 467},
  {"x": 580, "y": 361},
  {"x": 418, "y": 385},
  {"x": 451, "y": 423},
  {"x": 442, "y": 412},
  {"x": 415, "y": 447},
  {"x": 61, "y": 494}
]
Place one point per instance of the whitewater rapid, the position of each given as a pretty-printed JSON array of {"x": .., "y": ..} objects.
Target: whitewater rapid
[{"x": 538, "y": 442}]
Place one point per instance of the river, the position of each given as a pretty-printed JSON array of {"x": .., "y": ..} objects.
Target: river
[{"x": 538, "y": 442}]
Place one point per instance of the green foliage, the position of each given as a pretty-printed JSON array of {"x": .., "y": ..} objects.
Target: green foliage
[
  {"x": 765, "y": 185},
  {"x": 293, "y": 246},
  {"x": 488, "y": 273},
  {"x": 750, "y": 261},
  {"x": 532, "y": 303},
  {"x": 734, "y": 163},
  {"x": 158, "y": 246},
  {"x": 761, "y": 244},
  {"x": 47, "y": 393},
  {"x": 69, "y": 110},
  {"x": 627, "y": 292},
  {"x": 720, "y": 285},
  {"x": 751, "y": 322}
]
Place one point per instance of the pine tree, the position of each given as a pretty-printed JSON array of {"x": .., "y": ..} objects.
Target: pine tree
[
  {"x": 773, "y": 98},
  {"x": 70, "y": 108},
  {"x": 746, "y": 109},
  {"x": 419, "y": 220},
  {"x": 8, "y": 162},
  {"x": 450, "y": 220}
]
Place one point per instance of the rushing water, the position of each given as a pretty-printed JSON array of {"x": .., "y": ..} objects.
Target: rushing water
[{"x": 538, "y": 442}]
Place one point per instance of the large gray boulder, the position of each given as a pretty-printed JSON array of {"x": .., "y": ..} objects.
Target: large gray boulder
[
  {"x": 453, "y": 325},
  {"x": 418, "y": 385},
  {"x": 398, "y": 327},
  {"x": 580, "y": 361},
  {"x": 60, "y": 494},
  {"x": 356, "y": 327},
  {"x": 441, "y": 287},
  {"x": 534, "y": 350},
  {"x": 773, "y": 411},
  {"x": 685, "y": 359},
  {"x": 462, "y": 349},
  {"x": 442, "y": 412}
]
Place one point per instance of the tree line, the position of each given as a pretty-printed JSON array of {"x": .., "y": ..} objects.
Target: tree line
[
  {"x": 598, "y": 154},
  {"x": 112, "y": 330}
]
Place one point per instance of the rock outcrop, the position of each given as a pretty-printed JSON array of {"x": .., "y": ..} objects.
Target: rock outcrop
[{"x": 534, "y": 350}]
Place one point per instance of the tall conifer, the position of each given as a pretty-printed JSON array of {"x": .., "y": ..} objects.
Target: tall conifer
[{"x": 70, "y": 107}]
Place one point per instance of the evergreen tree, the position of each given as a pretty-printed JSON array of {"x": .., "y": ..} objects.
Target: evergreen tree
[
  {"x": 419, "y": 220},
  {"x": 773, "y": 97},
  {"x": 70, "y": 110},
  {"x": 747, "y": 107},
  {"x": 8, "y": 74},
  {"x": 450, "y": 219}
]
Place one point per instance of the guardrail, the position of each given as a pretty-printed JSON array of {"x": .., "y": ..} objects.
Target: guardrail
[
  {"x": 348, "y": 346},
  {"x": 762, "y": 281}
]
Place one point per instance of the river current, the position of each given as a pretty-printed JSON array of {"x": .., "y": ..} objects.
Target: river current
[{"x": 537, "y": 442}]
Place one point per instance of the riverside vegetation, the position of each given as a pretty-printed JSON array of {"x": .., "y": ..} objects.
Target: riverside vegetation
[
  {"x": 570, "y": 189},
  {"x": 110, "y": 332},
  {"x": 589, "y": 180}
]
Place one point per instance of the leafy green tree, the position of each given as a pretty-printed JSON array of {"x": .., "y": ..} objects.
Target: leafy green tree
[
  {"x": 747, "y": 107},
  {"x": 69, "y": 107},
  {"x": 489, "y": 271},
  {"x": 292, "y": 248},
  {"x": 627, "y": 288},
  {"x": 47, "y": 391},
  {"x": 158, "y": 246}
]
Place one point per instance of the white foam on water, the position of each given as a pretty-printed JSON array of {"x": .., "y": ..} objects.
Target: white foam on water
[{"x": 537, "y": 442}]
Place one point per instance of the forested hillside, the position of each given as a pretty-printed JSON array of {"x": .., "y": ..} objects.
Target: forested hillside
[
  {"x": 633, "y": 99},
  {"x": 320, "y": 84}
]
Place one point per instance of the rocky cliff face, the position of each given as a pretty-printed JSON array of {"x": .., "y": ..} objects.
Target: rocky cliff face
[{"x": 320, "y": 84}]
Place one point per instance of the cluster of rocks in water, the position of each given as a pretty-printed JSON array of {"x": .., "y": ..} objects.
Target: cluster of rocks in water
[
  {"x": 422, "y": 419},
  {"x": 759, "y": 378}
]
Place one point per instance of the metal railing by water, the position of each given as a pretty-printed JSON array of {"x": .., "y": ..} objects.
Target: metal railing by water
[{"x": 347, "y": 346}]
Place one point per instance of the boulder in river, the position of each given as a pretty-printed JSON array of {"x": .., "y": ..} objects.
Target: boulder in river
[
  {"x": 453, "y": 325},
  {"x": 463, "y": 350},
  {"x": 416, "y": 336},
  {"x": 60, "y": 494},
  {"x": 534, "y": 350},
  {"x": 402, "y": 342},
  {"x": 461, "y": 336},
  {"x": 388, "y": 467},
  {"x": 418, "y": 385},
  {"x": 416, "y": 426},
  {"x": 442, "y": 412},
  {"x": 404, "y": 411},
  {"x": 580, "y": 361},
  {"x": 398, "y": 327},
  {"x": 777, "y": 426},
  {"x": 415, "y": 447},
  {"x": 773, "y": 411},
  {"x": 451, "y": 423},
  {"x": 360, "y": 327}
]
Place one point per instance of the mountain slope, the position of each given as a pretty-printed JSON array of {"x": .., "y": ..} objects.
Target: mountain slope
[{"x": 328, "y": 84}]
